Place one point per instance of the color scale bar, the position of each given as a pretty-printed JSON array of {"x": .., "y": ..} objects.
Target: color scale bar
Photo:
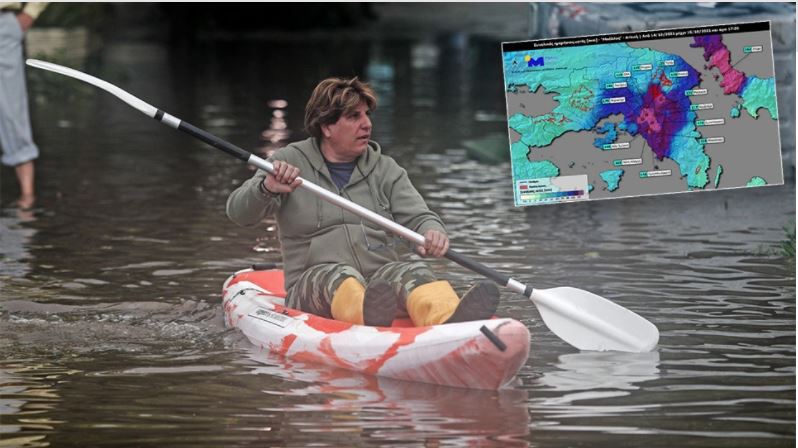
[{"x": 551, "y": 196}]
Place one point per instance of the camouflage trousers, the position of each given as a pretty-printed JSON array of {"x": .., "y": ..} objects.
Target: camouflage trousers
[{"x": 314, "y": 290}]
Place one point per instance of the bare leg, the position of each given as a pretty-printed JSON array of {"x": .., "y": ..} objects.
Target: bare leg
[{"x": 25, "y": 177}]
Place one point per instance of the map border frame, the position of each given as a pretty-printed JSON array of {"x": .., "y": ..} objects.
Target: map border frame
[{"x": 635, "y": 36}]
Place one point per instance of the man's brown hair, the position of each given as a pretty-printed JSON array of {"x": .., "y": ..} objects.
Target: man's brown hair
[{"x": 334, "y": 97}]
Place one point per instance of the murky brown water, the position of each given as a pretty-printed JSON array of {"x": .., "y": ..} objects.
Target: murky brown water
[{"x": 110, "y": 310}]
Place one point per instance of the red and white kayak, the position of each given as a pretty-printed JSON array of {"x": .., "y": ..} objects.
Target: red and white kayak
[{"x": 483, "y": 354}]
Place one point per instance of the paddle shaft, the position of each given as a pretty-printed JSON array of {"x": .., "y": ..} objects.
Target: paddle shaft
[{"x": 243, "y": 155}]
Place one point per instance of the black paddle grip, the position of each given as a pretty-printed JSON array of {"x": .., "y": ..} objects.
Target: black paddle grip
[
  {"x": 493, "y": 338},
  {"x": 477, "y": 267},
  {"x": 214, "y": 141}
]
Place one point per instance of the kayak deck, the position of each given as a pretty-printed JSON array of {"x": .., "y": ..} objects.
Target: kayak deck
[{"x": 459, "y": 354}]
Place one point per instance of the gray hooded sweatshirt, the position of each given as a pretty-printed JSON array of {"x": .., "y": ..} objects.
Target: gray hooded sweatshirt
[{"x": 313, "y": 231}]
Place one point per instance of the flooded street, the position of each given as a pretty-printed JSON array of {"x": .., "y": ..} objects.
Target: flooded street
[{"x": 111, "y": 328}]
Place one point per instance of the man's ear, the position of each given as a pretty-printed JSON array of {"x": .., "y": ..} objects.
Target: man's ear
[{"x": 325, "y": 130}]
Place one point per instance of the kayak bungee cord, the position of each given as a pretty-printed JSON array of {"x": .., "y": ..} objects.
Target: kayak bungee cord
[{"x": 585, "y": 320}]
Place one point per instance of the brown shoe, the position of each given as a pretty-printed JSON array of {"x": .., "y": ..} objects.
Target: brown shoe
[
  {"x": 379, "y": 304},
  {"x": 479, "y": 302}
]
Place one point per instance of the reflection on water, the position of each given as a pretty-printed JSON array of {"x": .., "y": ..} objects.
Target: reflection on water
[
  {"x": 277, "y": 134},
  {"x": 14, "y": 251},
  {"x": 28, "y": 393},
  {"x": 110, "y": 317},
  {"x": 386, "y": 410},
  {"x": 602, "y": 370}
]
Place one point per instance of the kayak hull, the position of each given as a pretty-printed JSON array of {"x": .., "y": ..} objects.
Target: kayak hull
[{"x": 459, "y": 355}]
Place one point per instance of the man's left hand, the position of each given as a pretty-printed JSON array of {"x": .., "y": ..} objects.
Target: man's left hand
[
  {"x": 25, "y": 21},
  {"x": 436, "y": 243}
]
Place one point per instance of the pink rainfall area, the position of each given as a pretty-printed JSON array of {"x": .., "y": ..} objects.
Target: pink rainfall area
[
  {"x": 647, "y": 115},
  {"x": 733, "y": 79}
]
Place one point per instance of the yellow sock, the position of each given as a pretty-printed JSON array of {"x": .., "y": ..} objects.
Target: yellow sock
[
  {"x": 432, "y": 303},
  {"x": 347, "y": 302}
]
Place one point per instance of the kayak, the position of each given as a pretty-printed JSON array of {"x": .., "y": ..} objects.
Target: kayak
[{"x": 484, "y": 354}]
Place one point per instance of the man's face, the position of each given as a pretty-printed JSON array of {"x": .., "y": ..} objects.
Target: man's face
[{"x": 348, "y": 138}]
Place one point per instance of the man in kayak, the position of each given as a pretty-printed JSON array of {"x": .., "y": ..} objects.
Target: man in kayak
[{"x": 336, "y": 264}]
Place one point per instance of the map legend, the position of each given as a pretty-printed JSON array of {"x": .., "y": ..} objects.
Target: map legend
[
  {"x": 552, "y": 196},
  {"x": 551, "y": 190}
]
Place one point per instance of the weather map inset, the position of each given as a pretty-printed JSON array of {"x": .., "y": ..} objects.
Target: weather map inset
[{"x": 653, "y": 112}]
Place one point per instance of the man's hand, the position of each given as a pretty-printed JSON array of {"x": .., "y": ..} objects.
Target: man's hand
[
  {"x": 436, "y": 243},
  {"x": 25, "y": 21},
  {"x": 284, "y": 179}
]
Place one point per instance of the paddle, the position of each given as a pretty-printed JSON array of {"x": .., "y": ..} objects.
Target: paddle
[{"x": 583, "y": 319}]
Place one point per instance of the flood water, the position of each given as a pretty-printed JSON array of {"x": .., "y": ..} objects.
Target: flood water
[{"x": 110, "y": 311}]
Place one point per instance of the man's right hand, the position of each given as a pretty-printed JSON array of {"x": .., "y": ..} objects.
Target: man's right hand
[{"x": 284, "y": 180}]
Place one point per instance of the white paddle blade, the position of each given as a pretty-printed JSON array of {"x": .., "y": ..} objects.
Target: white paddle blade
[
  {"x": 131, "y": 100},
  {"x": 590, "y": 322}
]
